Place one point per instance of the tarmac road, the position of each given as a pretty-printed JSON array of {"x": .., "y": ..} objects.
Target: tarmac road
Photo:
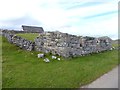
[{"x": 108, "y": 80}]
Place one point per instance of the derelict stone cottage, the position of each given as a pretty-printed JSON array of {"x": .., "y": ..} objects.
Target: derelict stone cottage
[{"x": 32, "y": 29}]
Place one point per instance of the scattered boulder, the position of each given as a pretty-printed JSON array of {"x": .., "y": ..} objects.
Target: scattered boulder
[
  {"x": 58, "y": 59},
  {"x": 46, "y": 60},
  {"x": 41, "y": 55},
  {"x": 113, "y": 48},
  {"x": 54, "y": 57}
]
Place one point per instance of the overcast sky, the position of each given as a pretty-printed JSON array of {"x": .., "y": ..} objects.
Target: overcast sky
[{"x": 79, "y": 17}]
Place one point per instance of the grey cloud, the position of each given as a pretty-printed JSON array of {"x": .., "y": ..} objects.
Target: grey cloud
[{"x": 16, "y": 23}]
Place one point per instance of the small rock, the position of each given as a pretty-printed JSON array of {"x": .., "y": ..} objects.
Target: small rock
[
  {"x": 111, "y": 48},
  {"x": 46, "y": 60},
  {"x": 58, "y": 59},
  {"x": 54, "y": 57},
  {"x": 40, "y": 55}
]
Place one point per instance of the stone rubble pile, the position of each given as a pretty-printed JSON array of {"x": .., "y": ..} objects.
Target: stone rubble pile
[
  {"x": 67, "y": 45},
  {"x": 41, "y": 55}
]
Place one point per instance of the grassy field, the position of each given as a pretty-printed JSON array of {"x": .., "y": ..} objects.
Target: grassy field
[
  {"x": 29, "y": 36},
  {"x": 0, "y": 63},
  {"x": 22, "y": 69},
  {"x": 114, "y": 45}
]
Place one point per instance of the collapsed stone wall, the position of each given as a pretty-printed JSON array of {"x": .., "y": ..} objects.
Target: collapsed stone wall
[
  {"x": 18, "y": 41},
  {"x": 67, "y": 45},
  {"x": 61, "y": 44},
  {"x": 11, "y": 31}
]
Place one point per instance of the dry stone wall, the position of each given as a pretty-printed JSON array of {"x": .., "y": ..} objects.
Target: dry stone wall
[
  {"x": 61, "y": 44},
  {"x": 67, "y": 45},
  {"x": 18, "y": 41}
]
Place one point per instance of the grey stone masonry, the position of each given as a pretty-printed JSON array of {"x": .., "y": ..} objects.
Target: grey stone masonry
[
  {"x": 67, "y": 45},
  {"x": 61, "y": 44},
  {"x": 18, "y": 41}
]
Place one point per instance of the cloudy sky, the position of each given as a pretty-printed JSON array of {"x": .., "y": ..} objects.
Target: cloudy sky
[{"x": 80, "y": 17}]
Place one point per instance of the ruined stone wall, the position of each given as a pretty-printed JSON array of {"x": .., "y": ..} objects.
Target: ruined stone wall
[
  {"x": 61, "y": 44},
  {"x": 18, "y": 41},
  {"x": 67, "y": 45}
]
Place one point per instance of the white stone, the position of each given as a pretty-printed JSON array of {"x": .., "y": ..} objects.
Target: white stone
[
  {"x": 40, "y": 55},
  {"x": 54, "y": 57},
  {"x": 58, "y": 59},
  {"x": 46, "y": 60},
  {"x": 111, "y": 48}
]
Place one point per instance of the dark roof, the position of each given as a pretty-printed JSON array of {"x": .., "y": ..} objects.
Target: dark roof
[{"x": 32, "y": 29}]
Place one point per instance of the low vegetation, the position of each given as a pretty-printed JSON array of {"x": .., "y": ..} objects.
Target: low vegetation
[
  {"x": 0, "y": 63},
  {"x": 22, "y": 69}
]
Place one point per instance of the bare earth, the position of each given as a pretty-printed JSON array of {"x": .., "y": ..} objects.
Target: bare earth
[{"x": 108, "y": 80}]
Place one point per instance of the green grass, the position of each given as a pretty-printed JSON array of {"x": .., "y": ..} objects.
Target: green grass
[
  {"x": 115, "y": 45},
  {"x": 0, "y": 63},
  {"x": 22, "y": 69},
  {"x": 29, "y": 36}
]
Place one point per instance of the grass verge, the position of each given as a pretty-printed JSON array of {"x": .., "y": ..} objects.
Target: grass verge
[
  {"x": 28, "y": 36},
  {"x": 22, "y": 69},
  {"x": 0, "y": 62}
]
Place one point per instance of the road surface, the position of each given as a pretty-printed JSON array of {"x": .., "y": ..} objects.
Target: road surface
[{"x": 108, "y": 80}]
